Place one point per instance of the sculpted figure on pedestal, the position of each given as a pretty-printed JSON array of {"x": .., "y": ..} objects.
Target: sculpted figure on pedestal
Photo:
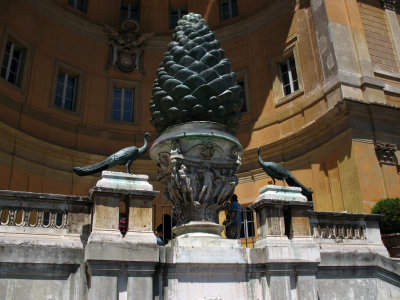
[
  {"x": 123, "y": 157},
  {"x": 276, "y": 171},
  {"x": 196, "y": 109}
]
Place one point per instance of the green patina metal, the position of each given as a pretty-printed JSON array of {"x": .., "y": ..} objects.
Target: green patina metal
[{"x": 194, "y": 81}]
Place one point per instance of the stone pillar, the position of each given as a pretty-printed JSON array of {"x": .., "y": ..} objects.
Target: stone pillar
[
  {"x": 285, "y": 239},
  {"x": 394, "y": 28},
  {"x": 281, "y": 213},
  {"x": 105, "y": 215},
  {"x": 283, "y": 224},
  {"x": 114, "y": 261},
  {"x": 140, "y": 217},
  {"x": 306, "y": 283}
]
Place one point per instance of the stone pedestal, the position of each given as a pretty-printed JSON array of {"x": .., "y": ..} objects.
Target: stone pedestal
[
  {"x": 281, "y": 213},
  {"x": 118, "y": 264},
  {"x": 284, "y": 236},
  {"x": 283, "y": 228},
  {"x": 112, "y": 189}
]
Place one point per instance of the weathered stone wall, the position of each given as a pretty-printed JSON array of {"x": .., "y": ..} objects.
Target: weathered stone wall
[
  {"x": 41, "y": 254},
  {"x": 378, "y": 36}
]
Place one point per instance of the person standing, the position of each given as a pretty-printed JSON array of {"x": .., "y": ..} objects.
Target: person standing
[{"x": 235, "y": 220}]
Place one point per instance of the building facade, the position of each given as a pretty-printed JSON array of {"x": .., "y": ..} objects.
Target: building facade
[{"x": 320, "y": 79}]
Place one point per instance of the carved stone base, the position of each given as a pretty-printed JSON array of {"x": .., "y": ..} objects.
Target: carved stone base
[
  {"x": 110, "y": 191},
  {"x": 197, "y": 162},
  {"x": 199, "y": 241},
  {"x": 199, "y": 228},
  {"x": 282, "y": 213}
]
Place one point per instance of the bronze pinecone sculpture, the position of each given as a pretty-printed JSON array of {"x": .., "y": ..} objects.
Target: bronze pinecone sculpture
[{"x": 194, "y": 81}]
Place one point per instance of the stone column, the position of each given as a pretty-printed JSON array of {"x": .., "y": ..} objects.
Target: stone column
[{"x": 111, "y": 257}]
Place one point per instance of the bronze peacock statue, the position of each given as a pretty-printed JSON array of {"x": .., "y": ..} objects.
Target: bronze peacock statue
[
  {"x": 276, "y": 171},
  {"x": 123, "y": 157}
]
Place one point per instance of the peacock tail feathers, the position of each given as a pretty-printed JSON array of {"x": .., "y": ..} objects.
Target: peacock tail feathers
[
  {"x": 292, "y": 181},
  {"x": 92, "y": 169}
]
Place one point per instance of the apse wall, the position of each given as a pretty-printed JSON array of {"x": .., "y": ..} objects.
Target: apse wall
[{"x": 324, "y": 127}]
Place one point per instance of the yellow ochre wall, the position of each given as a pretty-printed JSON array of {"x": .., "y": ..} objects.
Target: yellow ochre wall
[{"x": 325, "y": 133}]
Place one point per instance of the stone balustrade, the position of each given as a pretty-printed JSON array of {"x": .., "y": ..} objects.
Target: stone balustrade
[
  {"x": 44, "y": 218},
  {"x": 325, "y": 226},
  {"x": 38, "y": 213}
]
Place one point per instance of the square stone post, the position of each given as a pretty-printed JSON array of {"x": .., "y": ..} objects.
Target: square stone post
[
  {"x": 140, "y": 217},
  {"x": 282, "y": 213},
  {"x": 285, "y": 239},
  {"x": 105, "y": 215},
  {"x": 108, "y": 254},
  {"x": 300, "y": 220}
]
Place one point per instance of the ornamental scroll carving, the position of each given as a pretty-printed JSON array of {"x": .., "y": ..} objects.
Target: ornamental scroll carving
[
  {"x": 333, "y": 231},
  {"x": 126, "y": 46},
  {"x": 386, "y": 153}
]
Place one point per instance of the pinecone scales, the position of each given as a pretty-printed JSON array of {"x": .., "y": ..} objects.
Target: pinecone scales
[{"x": 194, "y": 81}]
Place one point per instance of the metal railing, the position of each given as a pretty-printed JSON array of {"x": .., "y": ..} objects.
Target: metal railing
[
  {"x": 164, "y": 214},
  {"x": 248, "y": 230}
]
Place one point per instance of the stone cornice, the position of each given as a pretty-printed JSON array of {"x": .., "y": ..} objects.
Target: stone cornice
[
  {"x": 158, "y": 42},
  {"x": 40, "y": 157},
  {"x": 30, "y": 196},
  {"x": 293, "y": 150}
]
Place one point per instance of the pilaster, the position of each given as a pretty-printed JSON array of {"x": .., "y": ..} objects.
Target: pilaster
[
  {"x": 343, "y": 51},
  {"x": 119, "y": 264}
]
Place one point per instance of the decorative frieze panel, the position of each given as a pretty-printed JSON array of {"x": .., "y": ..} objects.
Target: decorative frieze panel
[
  {"x": 41, "y": 218},
  {"x": 386, "y": 153},
  {"x": 196, "y": 189},
  {"x": 333, "y": 231}
]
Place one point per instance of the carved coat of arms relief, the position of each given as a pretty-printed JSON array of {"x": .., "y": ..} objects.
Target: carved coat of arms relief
[{"x": 126, "y": 46}]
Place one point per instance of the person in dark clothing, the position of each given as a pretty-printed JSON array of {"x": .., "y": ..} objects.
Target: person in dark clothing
[
  {"x": 164, "y": 230},
  {"x": 234, "y": 219},
  {"x": 159, "y": 236}
]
